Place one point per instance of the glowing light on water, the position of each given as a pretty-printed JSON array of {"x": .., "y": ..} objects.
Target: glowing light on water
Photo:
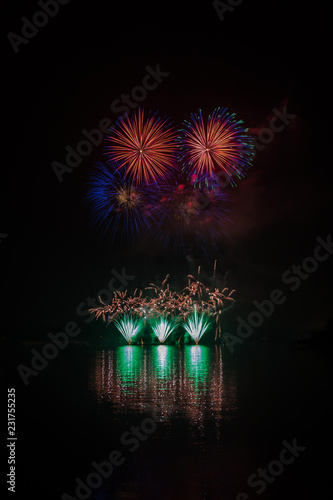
[
  {"x": 195, "y": 353},
  {"x": 162, "y": 329},
  {"x": 127, "y": 352},
  {"x": 182, "y": 382},
  {"x": 196, "y": 325},
  {"x": 128, "y": 368},
  {"x": 128, "y": 326},
  {"x": 197, "y": 361},
  {"x": 162, "y": 364}
]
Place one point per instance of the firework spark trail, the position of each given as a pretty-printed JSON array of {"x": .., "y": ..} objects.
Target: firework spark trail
[
  {"x": 162, "y": 329},
  {"x": 121, "y": 304},
  {"x": 145, "y": 148},
  {"x": 166, "y": 305},
  {"x": 164, "y": 302},
  {"x": 222, "y": 143},
  {"x": 196, "y": 325},
  {"x": 128, "y": 326}
]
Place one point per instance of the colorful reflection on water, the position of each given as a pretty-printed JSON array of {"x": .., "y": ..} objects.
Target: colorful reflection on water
[{"x": 177, "y": 382}]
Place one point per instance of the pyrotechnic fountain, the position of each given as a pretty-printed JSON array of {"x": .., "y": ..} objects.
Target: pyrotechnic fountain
[
  {"x": 128, "y": 326},
  {"x": 162, "y": 329},
  {"x": 193, "y": 306},
  {"x": 196, "y": 325}
]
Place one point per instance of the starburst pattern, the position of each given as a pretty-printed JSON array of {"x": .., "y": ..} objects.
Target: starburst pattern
[
  {"x": 165, "y": 190},
  {"x": 220, "y": 143},
  {"x": 119, "y": 207},
  {"x": 145, "y": 148}
]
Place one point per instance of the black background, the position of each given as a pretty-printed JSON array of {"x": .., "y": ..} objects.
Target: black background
[
  {"x": 262, "y": 56},
  {"x": 64, "y": 80}
]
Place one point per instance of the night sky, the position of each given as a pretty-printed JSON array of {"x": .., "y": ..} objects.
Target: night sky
[{"x": 262, "y": 56}]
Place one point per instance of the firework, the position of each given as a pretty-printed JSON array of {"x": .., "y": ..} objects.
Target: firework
[
  {"x": 191, "y": 213},
  {"x": 121, "y": 304},
  {"x": 164, "y": 302},
  {"x": 196, "y": 325},
  {"x": 222, "y": 143},
  {"x": 144, "y": 147},
  {"x": 128, "y": 326},
  {"x": 193, "y": 304},
  {"x": 162, "y": 329},
  {"x": 119, "y": 207}
]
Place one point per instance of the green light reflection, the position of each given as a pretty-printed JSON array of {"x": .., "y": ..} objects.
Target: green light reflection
[
  {"x": 197, "y": 363},
  {"x": 163, "y": 359},
  {"x": 130, "y": 363}
]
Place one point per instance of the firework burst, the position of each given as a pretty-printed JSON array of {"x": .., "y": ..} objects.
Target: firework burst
[
  {"x": 191, "y": 213},
  {"x": 222, "y": 143},
  {"x": 144, "y": 147},
  {"x": 119, "y": 207}
]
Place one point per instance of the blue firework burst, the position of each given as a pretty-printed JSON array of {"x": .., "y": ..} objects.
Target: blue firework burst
[{"x": 118, "y": 207}]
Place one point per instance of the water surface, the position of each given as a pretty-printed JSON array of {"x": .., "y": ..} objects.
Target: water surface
[{"x": 217, "y": 418}]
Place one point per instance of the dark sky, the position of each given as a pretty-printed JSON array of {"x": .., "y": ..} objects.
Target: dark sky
[{"x": 263, "y": 55}]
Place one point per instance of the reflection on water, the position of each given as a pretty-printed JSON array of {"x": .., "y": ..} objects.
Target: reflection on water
[{"x": 177, "y": 382}]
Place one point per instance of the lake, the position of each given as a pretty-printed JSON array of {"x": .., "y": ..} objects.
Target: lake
[{"x": 171, "y": 422}]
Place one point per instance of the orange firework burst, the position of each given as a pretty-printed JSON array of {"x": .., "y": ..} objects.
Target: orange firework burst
[
  {"x": 222, "y": 143},
  {"x": 145, "y": 148}
]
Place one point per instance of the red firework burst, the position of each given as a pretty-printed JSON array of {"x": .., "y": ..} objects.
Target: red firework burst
[{"x": 145, "y": 148}]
